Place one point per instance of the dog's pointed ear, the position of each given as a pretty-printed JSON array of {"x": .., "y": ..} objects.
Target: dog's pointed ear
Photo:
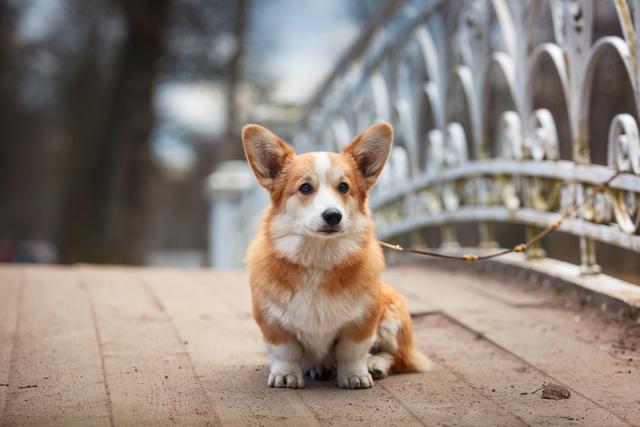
[
  {"x": 266, "y": 153},
  {"x": 370, "y": 149}
]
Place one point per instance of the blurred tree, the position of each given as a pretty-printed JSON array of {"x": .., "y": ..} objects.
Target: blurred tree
[
  {"x": 77, "y": 86},
  {"x": 7, "y": 106},
  {"x": 206, "y": 43},
  {"x": 21, "y": 154},
  {"x": 107, "y": 219},
  {"x": 83, "y": 90},
  {"x": 232, "y": 149}
]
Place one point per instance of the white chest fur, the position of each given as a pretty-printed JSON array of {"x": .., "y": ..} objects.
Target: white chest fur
[{"x": 316, "y": 317}]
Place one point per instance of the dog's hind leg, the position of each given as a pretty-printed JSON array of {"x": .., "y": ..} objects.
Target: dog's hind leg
[
  {"x": 394, "y": 336},
  {"x": 379, "y": 364}
]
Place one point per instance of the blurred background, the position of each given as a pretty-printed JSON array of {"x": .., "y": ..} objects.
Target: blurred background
[{"x": 114, "y": 112}]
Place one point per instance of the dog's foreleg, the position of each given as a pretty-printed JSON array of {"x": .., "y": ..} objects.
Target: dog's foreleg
[
  {"x": 284, "y": 365},
  {"x": 352, "y": 356}
]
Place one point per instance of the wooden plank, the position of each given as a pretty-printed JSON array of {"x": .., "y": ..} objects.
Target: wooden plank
[
  {"x": 415, "y": 399},
  {"x": 230, "y": 292},
  {"x": 548, "y": 338},
  {"x": 212, "y": 313},
  {"x": 149, "y": 375},
  {"x": 10, "y": 295},
  {"x": 440, "y": 398},
  {"x": 241, "y": 397},
  {"x": 404, "y": 276},
  {"x": 56, "y": 374},
  {"x": 374, "y": 406},
  {"x": 396, "y": 277},
  {"x": 501, "y": 376}
]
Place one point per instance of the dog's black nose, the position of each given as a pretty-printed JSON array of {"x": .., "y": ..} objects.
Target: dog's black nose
[{"x": 332, "y": 216}]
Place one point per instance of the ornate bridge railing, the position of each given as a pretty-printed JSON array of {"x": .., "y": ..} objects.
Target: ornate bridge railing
[{"x": 505, "y": 112}]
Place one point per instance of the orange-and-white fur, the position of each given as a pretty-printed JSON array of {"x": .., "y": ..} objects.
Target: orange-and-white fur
[{"x": 315, "y": 265}]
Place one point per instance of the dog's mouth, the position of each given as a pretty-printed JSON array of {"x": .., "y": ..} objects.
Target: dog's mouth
[{"x": 329, "y": 231}]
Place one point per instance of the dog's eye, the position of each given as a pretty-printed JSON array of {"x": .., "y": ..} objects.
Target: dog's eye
[
  {"x": 343, "y": 187},
  {"x": 305, "y": 188}
]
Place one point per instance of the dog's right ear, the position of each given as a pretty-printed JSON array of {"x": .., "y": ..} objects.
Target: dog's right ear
[{"x": 266, "y": 153}]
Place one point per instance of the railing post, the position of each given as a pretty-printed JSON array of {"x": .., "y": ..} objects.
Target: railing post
[
  {"x": 449, "y": 237},
  {"x": 225, "y": 188},
  {"x": 486, "y": 233},
  {"x": 534, "y": 251},
  {"x": 588, "y": 262}
]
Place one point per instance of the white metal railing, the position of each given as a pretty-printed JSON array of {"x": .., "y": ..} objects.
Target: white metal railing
[
  {"x": 433, "y": 70},
  {"x": 461, "y": 81}
]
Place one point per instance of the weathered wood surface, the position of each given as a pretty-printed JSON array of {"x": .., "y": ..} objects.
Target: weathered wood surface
[{"x": 91, "y": 345}]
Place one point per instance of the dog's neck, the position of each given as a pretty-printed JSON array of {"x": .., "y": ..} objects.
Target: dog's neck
[{"x": 319, "y": 253}]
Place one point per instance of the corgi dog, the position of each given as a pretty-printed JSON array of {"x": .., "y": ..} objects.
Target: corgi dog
[{"x": 315, "y": 265}]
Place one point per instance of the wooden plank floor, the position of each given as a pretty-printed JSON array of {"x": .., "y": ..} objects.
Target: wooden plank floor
[{"x": 130, "y": 346}]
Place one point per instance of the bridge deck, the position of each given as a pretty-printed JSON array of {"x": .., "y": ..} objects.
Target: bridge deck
[{"x": 106, "y": 345}]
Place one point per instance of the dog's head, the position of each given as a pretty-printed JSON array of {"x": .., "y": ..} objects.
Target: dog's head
[{"x": 319, "y": 195}]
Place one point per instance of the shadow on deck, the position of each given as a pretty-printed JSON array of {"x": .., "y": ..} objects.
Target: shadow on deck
[{"x": 112, "y": 346}]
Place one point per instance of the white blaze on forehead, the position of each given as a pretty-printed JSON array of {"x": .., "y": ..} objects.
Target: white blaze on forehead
[
  {"x": 322, "y": 164},
  {"x": 328, "y": 172}
]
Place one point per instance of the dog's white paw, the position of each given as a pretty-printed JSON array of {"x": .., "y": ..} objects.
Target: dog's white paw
[
  {"x": 286, "y": 377},
  {"x": 355, "y": 380}
]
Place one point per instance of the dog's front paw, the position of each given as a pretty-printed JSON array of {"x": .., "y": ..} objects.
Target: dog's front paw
[
  {"x": 355, "y": 380},
  {"x": 286, "y": 377}
]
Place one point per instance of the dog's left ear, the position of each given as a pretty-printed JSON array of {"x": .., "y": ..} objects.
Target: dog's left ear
[{"x": 370, "y": 149}]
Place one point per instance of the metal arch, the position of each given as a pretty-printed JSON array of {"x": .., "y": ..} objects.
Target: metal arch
[
  {"x": 463, "y": 75},
  {"x": 555, "y": 54},
  {"x": 504, "y": 64},
  {"x": 429, "y": 53},
  {"x": 406, "y": 130},
  {"x": 597, "y": 50},
  {"x": 431, "y": 91},
  {"x": 435, "y": 83},
  {"x": 557, "y": 57},
  {"x": 509, "y": 34},
  {"x": 421, "y": 60}
]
